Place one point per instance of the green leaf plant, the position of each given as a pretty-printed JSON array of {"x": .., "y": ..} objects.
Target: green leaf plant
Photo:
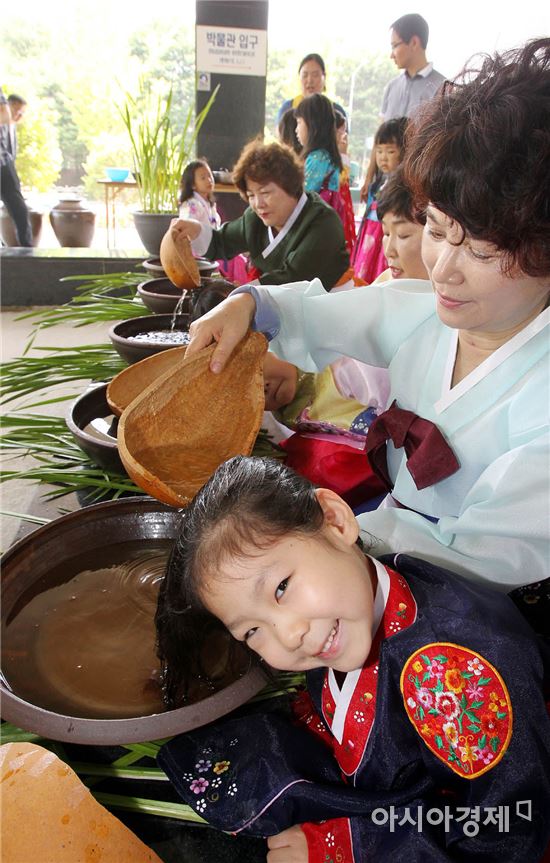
[{"x": 159, "y": 151}]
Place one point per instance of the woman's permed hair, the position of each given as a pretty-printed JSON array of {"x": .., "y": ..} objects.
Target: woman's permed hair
[
  {"x": 188, "y": 179},
  {"x": 269, "y": 163},
  {"x": 480, "y": 153},
  {"x": 247, "y": 504},
  {"x": 318, "y": 115}
]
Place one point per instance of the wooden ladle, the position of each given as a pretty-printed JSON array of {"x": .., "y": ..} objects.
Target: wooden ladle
[
  {"x": 187, "y": 422},
  {"x": 177, "y": 260}
]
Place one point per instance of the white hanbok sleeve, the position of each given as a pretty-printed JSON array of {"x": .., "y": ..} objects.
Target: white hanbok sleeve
[
  {"x": 369, "y": 323},
  {"x": 501, "y": 532}
]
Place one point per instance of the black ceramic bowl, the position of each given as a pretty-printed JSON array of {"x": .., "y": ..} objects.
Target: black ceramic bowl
[
  {"x": 132, "y": 351},
  {"x": 92, "y": 407},
  {"x": 154, "y": 266},
  {"x": 33, "y": 565},
  {"x": 161, "y": 296}
]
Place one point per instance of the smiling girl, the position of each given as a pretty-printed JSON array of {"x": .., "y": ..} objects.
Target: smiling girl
[
  {"x": 403, "y": 661},
  {"x": 368, "y": 258}
]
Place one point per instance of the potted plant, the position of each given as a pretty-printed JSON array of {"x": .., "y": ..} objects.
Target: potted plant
[{"x": 160, "y": 153}]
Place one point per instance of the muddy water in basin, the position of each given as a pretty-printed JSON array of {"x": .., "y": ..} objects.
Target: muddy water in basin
[{"x": 86, "y": 645}]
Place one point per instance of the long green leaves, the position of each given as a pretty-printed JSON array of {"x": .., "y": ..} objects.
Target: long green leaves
[
  {"x": 59, "y": 460},
  {"x": 97, "y": 299},
  {"x": 159, "y": 152},
  {"x": 26, "y": 375}
]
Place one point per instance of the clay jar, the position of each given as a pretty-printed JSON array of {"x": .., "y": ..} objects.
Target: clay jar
[
  {"x": 7, "y": 230},
  {"x": 73, "y": 223}
]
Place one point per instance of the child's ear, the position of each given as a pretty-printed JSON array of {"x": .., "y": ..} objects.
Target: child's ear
[{"x": 338, "y": 516}]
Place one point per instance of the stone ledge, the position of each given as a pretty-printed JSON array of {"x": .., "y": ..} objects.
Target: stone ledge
[{"x": 31, "y": 277}]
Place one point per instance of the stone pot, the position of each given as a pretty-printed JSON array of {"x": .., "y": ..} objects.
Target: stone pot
[
  {"x": 73, "y": 223},
  {"x": 34, "y": 564},
  {"x": 132, "y": 351},
  {"x": 7, "y": 230},
  {"x": 151, "y": 228}
]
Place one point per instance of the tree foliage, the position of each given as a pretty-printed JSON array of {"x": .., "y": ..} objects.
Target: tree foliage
[{"x": 76, "y": 86}]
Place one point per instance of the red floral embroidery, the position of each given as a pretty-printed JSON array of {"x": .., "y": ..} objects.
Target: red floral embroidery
[{"x": 460, "y": 706}]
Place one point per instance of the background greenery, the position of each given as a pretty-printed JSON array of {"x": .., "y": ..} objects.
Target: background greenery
[{"x": 74, "y": 77}]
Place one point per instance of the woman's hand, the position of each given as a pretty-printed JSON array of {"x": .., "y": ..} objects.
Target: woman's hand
[
  {"x": 227, "y": 325},
  {"x": 189, "y": 228},
  {"x": 290, "y": 846}
]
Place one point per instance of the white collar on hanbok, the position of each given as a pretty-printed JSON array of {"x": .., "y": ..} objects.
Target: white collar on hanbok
[
  {"x": 450, "y": 395},
  {"x": 274, "y": 241},
  {"x": 342, "y": 697}
]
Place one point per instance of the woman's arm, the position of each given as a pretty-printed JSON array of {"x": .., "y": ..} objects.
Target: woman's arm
[{"x": 311, "y": 328}]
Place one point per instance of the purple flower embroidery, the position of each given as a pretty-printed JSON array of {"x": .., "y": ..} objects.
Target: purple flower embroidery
[
  {"x": 474, "y": 691},
  {"x": 425, "y": 697},
  {"x": 199, "y": 785},
  {"x": 483, "y": 754},
  {"x": 202, "y": 766},
  {"x": 435, "y": 669}
]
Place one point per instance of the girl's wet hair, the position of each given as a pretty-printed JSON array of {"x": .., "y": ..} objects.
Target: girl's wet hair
[
  {"x": 480, "y": 149},
  {"x": 211, "y": 294},
  {"x": 287, "y": 131},
  {"x": 247, "y": 504},
  {"x": 188, "y": 179}
]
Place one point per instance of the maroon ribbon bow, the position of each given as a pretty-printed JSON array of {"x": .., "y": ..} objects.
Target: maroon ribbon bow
[{"x": 429, "y": 456}]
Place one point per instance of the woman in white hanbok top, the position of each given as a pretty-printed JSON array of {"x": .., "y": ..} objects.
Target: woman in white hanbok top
[{"x": 465, "y": 444}]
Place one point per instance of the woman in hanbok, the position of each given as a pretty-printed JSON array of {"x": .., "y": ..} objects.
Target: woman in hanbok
[
  {"x": 288, "y": 233},
  {"x": 464, "y": 447}
]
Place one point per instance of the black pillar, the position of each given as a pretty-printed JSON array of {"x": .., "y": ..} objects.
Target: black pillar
[{"x": 232, "y": 35}]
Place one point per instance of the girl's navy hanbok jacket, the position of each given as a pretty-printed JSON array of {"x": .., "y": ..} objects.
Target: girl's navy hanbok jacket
[{"x": 438, "y": 749}]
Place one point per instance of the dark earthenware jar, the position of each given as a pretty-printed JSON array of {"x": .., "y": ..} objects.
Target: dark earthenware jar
[
  {"x": 73, "y": 223},
  {"x": 7, "y": 230}
]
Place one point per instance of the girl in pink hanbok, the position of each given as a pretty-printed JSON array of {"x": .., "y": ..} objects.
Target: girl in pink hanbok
[{"x": 368, "y": 259}]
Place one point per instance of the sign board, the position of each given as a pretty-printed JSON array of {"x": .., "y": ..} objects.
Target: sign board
[{"x": 230, "y": 51}]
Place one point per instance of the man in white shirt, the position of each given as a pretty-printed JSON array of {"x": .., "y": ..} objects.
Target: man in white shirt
[{"x": 419, "y": 81}]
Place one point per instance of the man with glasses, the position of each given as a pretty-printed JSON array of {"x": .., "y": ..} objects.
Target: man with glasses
[{"x": 419, "y": 81}]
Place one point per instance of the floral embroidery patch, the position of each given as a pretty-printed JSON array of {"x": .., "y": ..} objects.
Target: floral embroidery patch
[
  {"x": 460, "y": 706},
  {"x": 213, "y": 781}
]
